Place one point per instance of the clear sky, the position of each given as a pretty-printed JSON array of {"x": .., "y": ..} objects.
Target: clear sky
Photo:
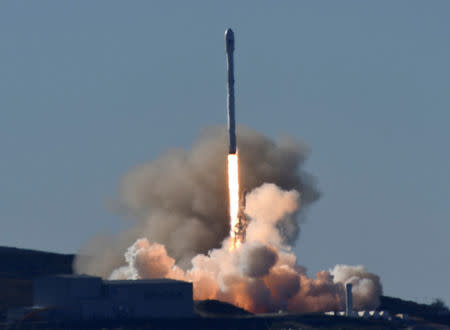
[{"x": 89, "y": 89}]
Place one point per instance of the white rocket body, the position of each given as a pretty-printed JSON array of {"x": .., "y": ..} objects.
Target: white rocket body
[{"x": 229, "y": 46}]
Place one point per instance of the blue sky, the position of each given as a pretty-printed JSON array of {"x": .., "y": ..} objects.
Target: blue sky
[{"x": 89, "y": 89}]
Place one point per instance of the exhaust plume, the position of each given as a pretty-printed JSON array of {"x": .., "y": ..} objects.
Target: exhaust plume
[
  {"x": 180, "y": 229},
  {"x": 180, "y": 200}
]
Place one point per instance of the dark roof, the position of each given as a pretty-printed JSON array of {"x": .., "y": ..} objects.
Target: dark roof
[
  {"x": 115, "y": 282},
  {"x": 146, "y": 281},
  {"x": 71, "y": 276}
]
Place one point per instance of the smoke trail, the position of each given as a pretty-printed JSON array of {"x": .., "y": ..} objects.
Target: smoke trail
[{"x": 179, "y": 203}]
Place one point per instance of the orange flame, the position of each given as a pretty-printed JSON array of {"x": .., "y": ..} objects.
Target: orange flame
[{"x": 233, "y": 188}]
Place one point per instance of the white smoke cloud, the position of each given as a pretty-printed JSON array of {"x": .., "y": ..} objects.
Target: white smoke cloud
[
  {"x": 260, "y": 275},
  {"x": 179, "y": 203},
  {"x": 268, "y": 204}
]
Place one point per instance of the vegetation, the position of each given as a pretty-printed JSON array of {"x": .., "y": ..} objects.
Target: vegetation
[
  {"x": 218, "y": 308},
  {"x": 436, "y": 312}
]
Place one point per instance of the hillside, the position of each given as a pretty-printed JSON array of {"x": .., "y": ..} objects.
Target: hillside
[
  {"x": 18, "y": 268},
  {"x": 211, "y": 308},
  {"x": 28, "y": 264},
  {"x": 436, "y": 312}
]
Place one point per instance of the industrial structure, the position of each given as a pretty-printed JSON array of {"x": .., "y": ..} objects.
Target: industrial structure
[
  {"x": 349, "y": 312},
  {"x": 86, "y": 298},
  {"x": 348, "y": 299}
]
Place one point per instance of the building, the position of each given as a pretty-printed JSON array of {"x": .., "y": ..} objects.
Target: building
[
  {"x": 82, "y": 297},
  {"x": 151, "y": 298}
]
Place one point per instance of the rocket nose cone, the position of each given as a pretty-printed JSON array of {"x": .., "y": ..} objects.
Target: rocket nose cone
[{"x": 229, "y": 40}]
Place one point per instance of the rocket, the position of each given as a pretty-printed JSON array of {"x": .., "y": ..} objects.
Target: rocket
[{"x": 229, "y": 46}]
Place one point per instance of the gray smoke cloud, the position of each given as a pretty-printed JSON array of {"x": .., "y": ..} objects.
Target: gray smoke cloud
[
  {"x": 179, "y": 207},
  {"x": 257, "y": 259},
  {"x": 180, "y": 200}
]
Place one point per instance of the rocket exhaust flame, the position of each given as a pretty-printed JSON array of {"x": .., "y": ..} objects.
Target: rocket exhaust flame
[{"x": 233, "y": 189}]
